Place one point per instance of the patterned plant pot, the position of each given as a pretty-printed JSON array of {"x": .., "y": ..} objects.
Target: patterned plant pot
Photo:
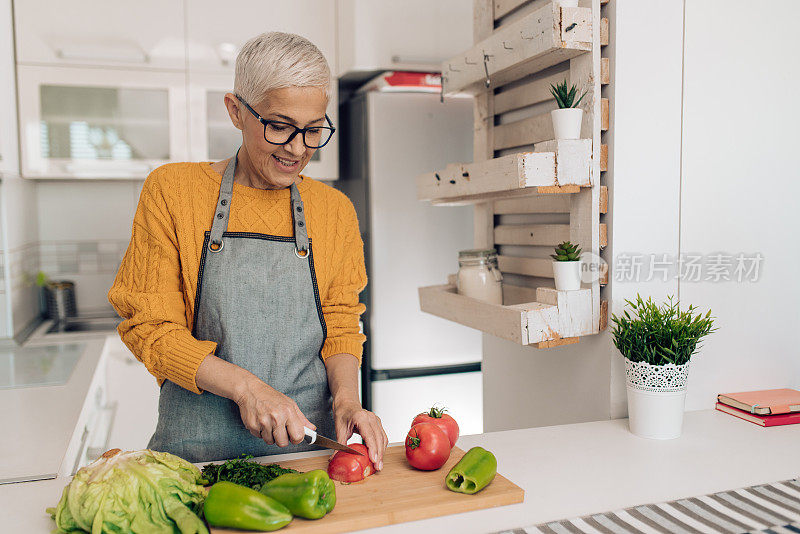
[{"x": 656, "y": 396}]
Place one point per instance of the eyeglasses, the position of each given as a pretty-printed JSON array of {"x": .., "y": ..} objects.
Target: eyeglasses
[{"x": 282, "y": 133}]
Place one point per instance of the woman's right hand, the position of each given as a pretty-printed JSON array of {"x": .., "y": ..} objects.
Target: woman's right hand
[{"x": 270, "y": 415}]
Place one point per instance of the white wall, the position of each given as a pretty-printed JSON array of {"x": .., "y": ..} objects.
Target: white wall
[
  {"x": 84, "y": 228},
  {"x": 740, "y": 189},
  {"x": 645, "y": 166}
]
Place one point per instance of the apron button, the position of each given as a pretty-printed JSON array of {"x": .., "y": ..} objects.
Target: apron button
[
  {"x": 219, "y": 216},
  {"x": 300, "y": 224},
  {"x": 224, "y": 202},
  {"x": 299, "y": 209}
]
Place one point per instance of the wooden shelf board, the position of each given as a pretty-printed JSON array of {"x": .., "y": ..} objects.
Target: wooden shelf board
[
  {"x": 554, "y": 167},
  {"x": 542, "y": 38},
  {"x": 555, "y": 315}
]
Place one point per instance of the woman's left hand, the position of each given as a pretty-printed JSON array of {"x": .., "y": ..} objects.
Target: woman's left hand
[{"x": 350, "y": 417}]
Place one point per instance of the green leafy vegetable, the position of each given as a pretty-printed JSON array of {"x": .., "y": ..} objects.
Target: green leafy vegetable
[
  {"x": 243, "y": 472},
  {"x": 660, "y": 335},
  {"x": 134, "y": 491}
]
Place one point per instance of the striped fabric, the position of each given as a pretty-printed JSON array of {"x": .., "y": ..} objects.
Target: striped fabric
[{"x": 771, "y": 508}]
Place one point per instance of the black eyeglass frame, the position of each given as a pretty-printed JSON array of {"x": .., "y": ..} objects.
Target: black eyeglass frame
[{"x": 296, "y": 131}]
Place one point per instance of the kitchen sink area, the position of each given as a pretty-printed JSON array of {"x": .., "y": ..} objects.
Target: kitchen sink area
[
  {"x": 80, "y": 324},
  {"x": 71, "y": 329}
]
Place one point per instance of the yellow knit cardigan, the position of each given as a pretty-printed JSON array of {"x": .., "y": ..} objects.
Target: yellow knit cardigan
[{"x": 155, "y": 287}]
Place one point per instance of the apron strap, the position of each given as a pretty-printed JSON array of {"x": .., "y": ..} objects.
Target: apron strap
[
  {"x": 299, "y": 218},
  {"x": 223, "y": 210},
  {"x": 220, "y": 224}
]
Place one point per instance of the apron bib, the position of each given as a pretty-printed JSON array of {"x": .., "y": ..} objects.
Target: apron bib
[{"x": 257, "y": 298}]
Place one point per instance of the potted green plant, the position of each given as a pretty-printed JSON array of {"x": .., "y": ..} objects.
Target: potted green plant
[
  {"x": 567, "y": 266},
  {"x": 567, "y": 118},
  {"x": 657, "y": 343}
]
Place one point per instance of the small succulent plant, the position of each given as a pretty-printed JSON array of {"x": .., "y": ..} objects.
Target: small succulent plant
[
  {"x": 566, "y": 251},
  {"x": 565, "y": 97}
]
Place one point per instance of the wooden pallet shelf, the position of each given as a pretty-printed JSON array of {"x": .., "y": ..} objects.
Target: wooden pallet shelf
[
  {"x": 529, "y": 192},
  {"x": 554, "y": 315},
  {"x": 545, "y": 37},
  {"x": 553, "y": 164}
]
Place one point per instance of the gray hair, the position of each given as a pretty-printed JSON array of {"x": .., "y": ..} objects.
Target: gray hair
[{"x": 276, "y": 60}]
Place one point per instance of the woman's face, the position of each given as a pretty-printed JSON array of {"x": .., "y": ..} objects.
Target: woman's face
[{"x": 278, "y": 166}]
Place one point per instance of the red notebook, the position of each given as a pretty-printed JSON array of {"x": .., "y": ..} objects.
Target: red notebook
[{"x": 763, "y": 420}]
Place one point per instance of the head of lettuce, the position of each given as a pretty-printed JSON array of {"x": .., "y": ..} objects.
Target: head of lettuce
[{"x": 134, "y": 491}]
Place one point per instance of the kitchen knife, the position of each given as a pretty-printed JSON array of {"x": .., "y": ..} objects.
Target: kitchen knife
[{"x": 318, "y": 439}]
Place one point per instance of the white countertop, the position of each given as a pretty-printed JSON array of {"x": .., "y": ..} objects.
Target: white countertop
[
  {"x": 566, "y": 471},
  {"x": 38, "y": 422}
]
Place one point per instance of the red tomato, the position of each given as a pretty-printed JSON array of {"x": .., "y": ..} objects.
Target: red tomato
[
  {"x": 442, "y": 420},
  {"x": 427, "y": 447},
  {"x": 346, "y": 467}
]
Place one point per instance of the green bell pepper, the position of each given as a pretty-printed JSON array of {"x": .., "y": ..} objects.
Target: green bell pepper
[
  {"x": 473, "y": 472},
  {"x": 234, "y": 506},
  {"x": 310, "y": 495}
]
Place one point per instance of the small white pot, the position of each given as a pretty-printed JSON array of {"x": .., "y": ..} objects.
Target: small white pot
[
  {"x": 567, "y": 122},
  {"x": 656, "y": 396},
  {"x": 567, "y": 3},
  {"x": 567, "y": 275}
]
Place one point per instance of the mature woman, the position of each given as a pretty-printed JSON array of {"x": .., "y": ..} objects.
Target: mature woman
[{"x": 250, "y": 328}]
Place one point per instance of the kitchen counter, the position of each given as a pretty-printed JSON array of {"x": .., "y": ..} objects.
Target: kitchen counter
[
  {"x": 566, "y": 471},
  {"x": 39, "y": 421}
]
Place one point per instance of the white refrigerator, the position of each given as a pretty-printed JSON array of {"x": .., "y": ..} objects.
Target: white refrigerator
[{"x": 412, "y": 360}]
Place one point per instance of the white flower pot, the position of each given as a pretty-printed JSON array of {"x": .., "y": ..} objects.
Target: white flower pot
[
  {"x": 567, "y": 3},
  {"x": 656, "y": 396},
  {"x": 567, "y": 122},
  {"x": 567, "y": 275}
]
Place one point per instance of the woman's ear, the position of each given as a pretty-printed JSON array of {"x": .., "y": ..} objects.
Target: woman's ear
[{"x": 235, "y": 109}]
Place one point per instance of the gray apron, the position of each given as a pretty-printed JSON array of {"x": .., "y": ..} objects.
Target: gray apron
[{"x": 257, "y": 298}]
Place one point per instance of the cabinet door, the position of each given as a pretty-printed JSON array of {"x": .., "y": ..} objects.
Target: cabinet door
[
  {"x": 408, "y": 35},
  {"x": 145, "y": 33},
  {"x": 212, "y": 136},
  {"x": 216, "y": 31},
  {"x": 134, "y": 392},
  {"x": 99, "y": 123},
  {"x": 8, "y": 117}
]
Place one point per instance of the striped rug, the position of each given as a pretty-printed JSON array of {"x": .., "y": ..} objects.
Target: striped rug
[{"x": 771, "y": 508}]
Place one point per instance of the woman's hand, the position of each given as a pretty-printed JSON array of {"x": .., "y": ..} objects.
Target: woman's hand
[
  {"x": 267, "y": 413},
  {"x": 270, "y": 415},
  {"x": 350, "y": 417}
]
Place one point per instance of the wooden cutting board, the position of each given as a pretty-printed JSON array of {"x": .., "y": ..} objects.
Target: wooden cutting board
[{"x": 397, "y": 494}]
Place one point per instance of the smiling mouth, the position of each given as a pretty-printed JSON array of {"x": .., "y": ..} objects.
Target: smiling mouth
[{"x": 287, "y": 164}]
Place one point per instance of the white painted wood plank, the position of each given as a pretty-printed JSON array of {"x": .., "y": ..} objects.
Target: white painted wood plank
[
  {"x": 533, "y": 204},
  {"x": 573, "y": 160},
  {"x": 524, "y": 46},
  {"x": 531, "y": 234},
  {"x": 542, "y": 268},
  {"x": 501, "y": 321}
]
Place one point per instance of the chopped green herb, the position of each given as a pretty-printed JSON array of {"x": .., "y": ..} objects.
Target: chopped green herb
[{"x": 244, "y": 472}]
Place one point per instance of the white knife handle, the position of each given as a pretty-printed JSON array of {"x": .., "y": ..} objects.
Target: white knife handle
[{"x": 311, "y": 434}]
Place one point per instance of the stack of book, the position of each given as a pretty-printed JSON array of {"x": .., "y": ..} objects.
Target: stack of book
[{"x": 768, "y": 407}]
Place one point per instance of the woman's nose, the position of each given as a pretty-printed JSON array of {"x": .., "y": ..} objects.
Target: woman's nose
[{"x": 296, "y": 147}]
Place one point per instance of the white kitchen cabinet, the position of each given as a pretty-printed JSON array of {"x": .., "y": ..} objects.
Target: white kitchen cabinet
[
  {"x": 216, "y": 31},
  {"x": 409, "y": 35},
  {"x": 142, "y": 34},
  {"x": 99, "y": 123},
  {"x": 9, "y": 159},
  {"x": 213, "y": 137},
  {"x": 134, "y": 392}
]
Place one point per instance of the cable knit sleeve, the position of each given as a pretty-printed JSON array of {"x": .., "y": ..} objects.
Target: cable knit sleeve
[
  {"x": 340, "y": 306},
  {"x": 147, "y": 293}
]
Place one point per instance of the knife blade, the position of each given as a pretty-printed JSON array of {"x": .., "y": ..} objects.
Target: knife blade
[{"x": 318, "y": 439}]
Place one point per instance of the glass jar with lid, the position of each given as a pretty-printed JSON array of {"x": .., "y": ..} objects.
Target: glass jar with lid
[{"x": 478, "y": 275}]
